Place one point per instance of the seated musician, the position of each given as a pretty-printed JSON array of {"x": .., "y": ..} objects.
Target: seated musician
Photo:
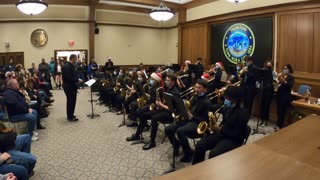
[
  {"x": 131, "y": 104},
  {"x": 232, "y": 130},
  {"x": 200, "y": 106},
  {"x": 217, "y": 72},
  {"x": 160, "y": 114}
]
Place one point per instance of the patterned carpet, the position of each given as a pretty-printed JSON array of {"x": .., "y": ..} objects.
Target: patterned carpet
[{"x": 96, "y": 148}]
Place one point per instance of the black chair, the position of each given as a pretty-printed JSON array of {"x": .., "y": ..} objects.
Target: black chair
[{"x": 248, "y": 132}]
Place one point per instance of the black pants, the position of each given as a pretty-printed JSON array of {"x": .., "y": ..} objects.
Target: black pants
[
  {"x": 71, "y": 101},
  {"x": 218, "y": 144},
  {"x": 127, "y": 102},
  {"x": 266, "y": 98},
  {"x": 283, "y": 101},
  {"x": 184, "y": 130},
  {"x": 134, "y": 110},
  {"x": 249, "y": 94},
  {"x": 143, "y": 120},
  {"x": 164, "y": 117}
]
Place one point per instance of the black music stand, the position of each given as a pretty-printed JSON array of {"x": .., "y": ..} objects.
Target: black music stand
[
  {"x": 124, "y": 116},
  {"x": 177, "y": 107},
  {"x": 261, "y": 73},
  {"x": 90, "y": 83}
]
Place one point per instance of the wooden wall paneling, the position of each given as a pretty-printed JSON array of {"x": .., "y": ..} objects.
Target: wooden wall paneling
[
  {"x": 195, "y": 42},
  {"x": 286, "y": 40},
  {"x": 316, "y": 44},
  {"x": 304, "y": 43}
]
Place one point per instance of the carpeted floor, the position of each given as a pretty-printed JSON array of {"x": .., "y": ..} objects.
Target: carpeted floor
[{"x": 96, "y": 148}]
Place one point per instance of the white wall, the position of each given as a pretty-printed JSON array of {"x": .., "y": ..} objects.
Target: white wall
[
  {"x": 132, "y": 45},
  {"x": 223, "y": 7},
  {"x": 18, "y": 34}
]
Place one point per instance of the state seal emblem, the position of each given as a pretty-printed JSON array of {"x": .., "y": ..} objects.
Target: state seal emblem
[{"x": 238, "y": 42}]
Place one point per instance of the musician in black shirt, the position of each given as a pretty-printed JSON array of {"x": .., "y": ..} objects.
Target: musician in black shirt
[
  {"x": 200, "y": 106},
  {"x": 232, "y": 130}
]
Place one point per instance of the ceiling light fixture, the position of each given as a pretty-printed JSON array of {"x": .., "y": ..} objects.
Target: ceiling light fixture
[
  {"x": 236, "y": 1},
  {"x": 161, "y": 13},
  {"x": 31, "y": 7}
]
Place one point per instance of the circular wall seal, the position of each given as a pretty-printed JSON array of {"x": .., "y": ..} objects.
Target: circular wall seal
[
  {"x": 238, "y": 42},
  {"x": 39, "y": 37}
]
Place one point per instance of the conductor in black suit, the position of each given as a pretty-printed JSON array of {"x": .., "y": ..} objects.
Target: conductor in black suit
[{"x": 70, "y": 86}]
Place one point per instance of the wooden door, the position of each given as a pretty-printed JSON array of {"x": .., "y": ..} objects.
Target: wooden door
[{"x": 18, "y": 58}]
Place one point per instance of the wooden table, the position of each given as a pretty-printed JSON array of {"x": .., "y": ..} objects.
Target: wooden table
[
  {"x": 307, "y": 107},
  {"x": 299, "y": 141},
  {"x": 291, "y": 153}
]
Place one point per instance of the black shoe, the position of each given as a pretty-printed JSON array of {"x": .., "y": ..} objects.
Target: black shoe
[
  {"x": 133, "y": 138},
  {"x": 31, "y": 174},
  {"x": 187, "y": 157},
  {"x": 73, "y": 119},
  {"x": 41, "y": 127},
  {"x": 132, "y": 124},
  {"x": 151, "y": 144},
  {"x": 50, "y": 101},
  {"x": 147, "y": 128}
]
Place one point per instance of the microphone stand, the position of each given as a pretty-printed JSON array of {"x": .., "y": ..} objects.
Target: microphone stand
[
  {"x": 256, "y": 130},
  {"x": 173, "y": 164}
]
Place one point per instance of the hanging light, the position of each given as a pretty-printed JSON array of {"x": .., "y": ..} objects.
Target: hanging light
[
  {"x": 161, "y": 13},
  {"x": 31, "y": 7},
  {"x": 236, "y": 1}
]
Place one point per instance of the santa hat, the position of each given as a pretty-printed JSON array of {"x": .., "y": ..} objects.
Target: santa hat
[
  {"x": 205, "y": 77},
  {"x": 156, "y": 76},
  {"x": 220, "y": 64},
  {"x": 8, "y": 74},
  {"x": 109, "y": 58},
  {"x": 187, "y": 61}
]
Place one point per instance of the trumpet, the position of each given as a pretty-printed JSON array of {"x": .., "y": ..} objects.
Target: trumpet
[
  {"x": 243, "y": 70},
  {"x": 213, "y": 119}
]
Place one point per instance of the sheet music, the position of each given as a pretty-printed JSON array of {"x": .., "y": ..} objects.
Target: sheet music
[{"x": 90, "y": 82}]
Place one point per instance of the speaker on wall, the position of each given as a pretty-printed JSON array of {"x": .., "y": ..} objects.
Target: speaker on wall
[{"x": 96, "y": 30}]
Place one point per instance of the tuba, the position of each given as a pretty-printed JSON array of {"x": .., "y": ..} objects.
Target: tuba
[{"x": 213, "y": 119}]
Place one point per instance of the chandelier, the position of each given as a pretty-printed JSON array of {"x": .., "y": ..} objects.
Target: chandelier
[
  {"x": 161, "y": 13},
  {"x": 31, "y": 7},
  {"x": 236, "y": 1}
]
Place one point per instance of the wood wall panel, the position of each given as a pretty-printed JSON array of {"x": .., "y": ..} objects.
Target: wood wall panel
[
  {"x": 316, "y": 44},
  {"x": 304, "y": 45},
  {"x": 195, "y": 43},
  {"x": 287, "y": 40}
]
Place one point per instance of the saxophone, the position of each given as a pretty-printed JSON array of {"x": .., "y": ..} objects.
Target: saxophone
[
  {"x": 213, "y": 119},
  {"x": 153, "y": 106},
  {"x": 142, "y": 101}
]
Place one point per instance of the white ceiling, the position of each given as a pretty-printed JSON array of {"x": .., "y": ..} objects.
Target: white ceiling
[
  {"x": 111, "y": 2},
  {"x": 178, "y": 1}
]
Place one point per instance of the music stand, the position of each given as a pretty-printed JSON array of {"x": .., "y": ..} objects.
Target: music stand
[
  {"x": 90, "y": 83},
  {"x": 176, "y": 106},
  {"x": 261, "y": 73}
]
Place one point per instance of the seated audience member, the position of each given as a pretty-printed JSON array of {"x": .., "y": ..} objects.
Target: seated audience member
[
  {"x": 232, "y": 130},
  {"x": 11, "y": 170},
  {"x": 18, "y": 147},
  {"x": 17, "y": 107},
  {"x": 8, "y": 176}
]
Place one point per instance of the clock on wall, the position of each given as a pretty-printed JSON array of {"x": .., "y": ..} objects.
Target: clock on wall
[{"x": 39, "y": 37}]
